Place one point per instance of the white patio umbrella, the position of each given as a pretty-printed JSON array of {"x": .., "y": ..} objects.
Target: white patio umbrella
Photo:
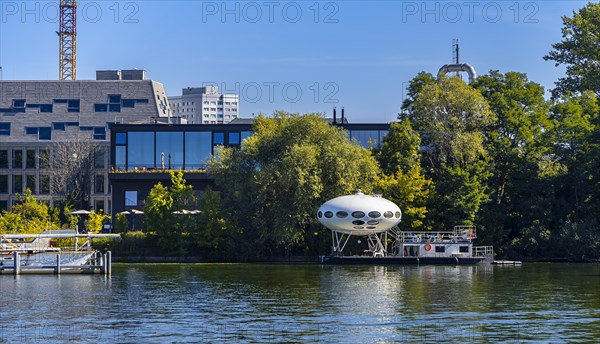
[{"x": 79, "y": 212}]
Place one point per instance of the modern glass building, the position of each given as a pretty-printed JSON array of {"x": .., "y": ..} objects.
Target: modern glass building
[{"x": 142, "y": 155}]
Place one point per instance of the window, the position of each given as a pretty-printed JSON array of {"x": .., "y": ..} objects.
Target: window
[
  {"x": 45, "y": 133},
  {"x": 4, "y": 158},
  {"x": 341, "y": 214},
  {"x": 17, "y": 159},
  {"x": 3, "y": 184},
  {"x": 120, "y": 153},
  {"x": 4, "y": 129},
  {"x": 121, "y": 138},
  {"x": 141, "y": 101},
  {"x": 246, "y": 134},
  {"x": 101, "y": 107},
  {"x": 463, "y": 249},
  {"x": 197, "y": 149},
  {"x": 131, "y": 198},
  {"x": 128, "y": 103},
  {"x": 45, "y": 107},
  {"x": 44, "y": 158},
  {"x": 218, "y": 138},
  {"x": 100, "y": 133},
  {"x": 30, "y": 159},
  {"x": 234, "y": 138},
  {"x": 440, "y": 249},
  {"x": 73, "y": 105},
  {"x": 31, "y": 183},
  {"x": 99, "y": 184},
  {"x": 3, "y": 206},
  {"x": 169, "y": 148},
  {"x": 374, "y": 214},
  {"x": 358, "y": 214},
  {"x": 99, "y": 158},
  {"x": 18, "y": 103},
  {"x": 31, "y": 131},
  {"x": 114, "y": 99},
  {"x": 114, "y": 107},
  {"x": 58, "y": 126},
  {"x": 17, "y": 186},
  {"x": 99, "y": 206},
  {"x": 140, "y": 150},
  {"x": 44, "y": 184}
]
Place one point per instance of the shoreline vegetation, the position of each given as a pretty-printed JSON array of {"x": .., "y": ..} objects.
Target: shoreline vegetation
[{"x": 494, "y": 153}]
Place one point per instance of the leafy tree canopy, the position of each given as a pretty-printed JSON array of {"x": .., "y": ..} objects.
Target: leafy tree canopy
[
  {"x": 579, "y": 51},
  {"x": 285, "y": 171}
]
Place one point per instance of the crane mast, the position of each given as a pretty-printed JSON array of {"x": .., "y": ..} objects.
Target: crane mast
[{"x": 67, "y": 64}]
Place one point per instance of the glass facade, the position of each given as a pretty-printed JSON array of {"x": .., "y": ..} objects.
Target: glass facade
[
  {"x": 169, "y": 148},
  {"x": 187, "y": 150},
  {"x": 140, "y": 150},
  {"x": 197, "y": 149}
]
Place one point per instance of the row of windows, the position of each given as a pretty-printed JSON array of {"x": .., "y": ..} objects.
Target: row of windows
[
  {"x": 170, "y": 150},
  {"x": 29, "y": 181},
  {"x": 38, "y": 158},
  {"x": 116, "y": 103},
  {"x": 19, "y": 106}
]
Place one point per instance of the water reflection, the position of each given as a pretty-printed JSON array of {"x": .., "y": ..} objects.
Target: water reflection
[{"x": 305, "y": 303}]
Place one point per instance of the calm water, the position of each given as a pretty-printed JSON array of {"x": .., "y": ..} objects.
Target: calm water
[{"x": 305, "y": 303}]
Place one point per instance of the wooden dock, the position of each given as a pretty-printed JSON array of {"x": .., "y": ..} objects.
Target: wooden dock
[{"x": 103, "y": 266}]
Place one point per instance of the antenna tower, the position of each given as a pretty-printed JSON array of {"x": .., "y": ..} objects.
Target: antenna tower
[{"x": 455, "y": 53}]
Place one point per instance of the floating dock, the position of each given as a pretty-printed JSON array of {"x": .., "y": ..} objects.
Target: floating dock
[{"x": 101, "y": 264}]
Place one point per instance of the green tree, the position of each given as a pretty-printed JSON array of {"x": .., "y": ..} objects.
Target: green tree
[
  {"x": 33, "y": 212},
  {"x": 451, "y": 117},
  {"x": 579, "y": 52},
  {"x": 414, "y": 88},
  {"x": 95, "y": 221},
  {"x": 121, "y": 223},
  {"x": 172, "y": 231},
  {"x": 402, "y": 180},
  {"x": 399, "y": 149},
  {"x": 215, "y": 233},
  {"x": 519, "y": 144},
  {"x": 291, "y": 164}
]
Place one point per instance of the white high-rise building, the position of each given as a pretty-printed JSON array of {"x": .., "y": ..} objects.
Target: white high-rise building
[{"x": 205, "y": 105}]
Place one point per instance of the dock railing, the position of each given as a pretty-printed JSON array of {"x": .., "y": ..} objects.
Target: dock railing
[{"x": 483, "y": 251}]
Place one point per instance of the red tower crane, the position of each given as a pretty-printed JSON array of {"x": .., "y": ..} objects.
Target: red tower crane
[{"x": 67, "y": 63}]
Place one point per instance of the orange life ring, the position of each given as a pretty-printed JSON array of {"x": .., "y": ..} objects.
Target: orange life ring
[{"x": 427, "y": 247}]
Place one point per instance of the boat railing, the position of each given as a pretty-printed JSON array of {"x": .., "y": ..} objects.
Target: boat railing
[
  {"x": 483, "y": 251},
  {"x": 433, "y": 237}
]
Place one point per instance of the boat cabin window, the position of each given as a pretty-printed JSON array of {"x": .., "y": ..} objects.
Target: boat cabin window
[
  {"x": 463, "y": 249},
  {"x": 440, "y": 249}
]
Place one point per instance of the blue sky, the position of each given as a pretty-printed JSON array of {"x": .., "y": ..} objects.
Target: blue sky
[{"x": 300, "y": 56}]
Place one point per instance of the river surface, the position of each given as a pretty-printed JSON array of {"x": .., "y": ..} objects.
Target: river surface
[{"x": 237, "y": 303}]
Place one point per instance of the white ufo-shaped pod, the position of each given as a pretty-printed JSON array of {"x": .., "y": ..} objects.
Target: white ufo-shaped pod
[{"x": 359, "y": 214}]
